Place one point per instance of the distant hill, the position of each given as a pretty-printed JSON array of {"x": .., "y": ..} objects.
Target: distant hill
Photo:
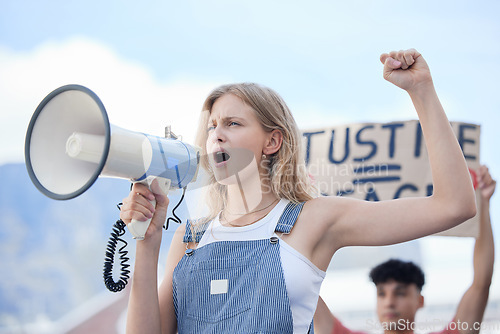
[{"x": 51, "y": 251}]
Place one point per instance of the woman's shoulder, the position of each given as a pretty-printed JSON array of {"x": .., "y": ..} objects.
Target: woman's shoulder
[
  {"x": 325, "y": 202},
  {"x": 327, "y": 207},
  {"x": 182, "y": 237},
  {"x": 179, "y": 233},
  {"x": 191, "y": 231}
]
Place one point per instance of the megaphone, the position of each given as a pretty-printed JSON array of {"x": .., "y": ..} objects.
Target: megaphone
[{"x": 70, "y": 143}]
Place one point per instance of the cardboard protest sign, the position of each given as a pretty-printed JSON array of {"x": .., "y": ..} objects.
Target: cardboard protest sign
[{"x": 382, "y": 161}]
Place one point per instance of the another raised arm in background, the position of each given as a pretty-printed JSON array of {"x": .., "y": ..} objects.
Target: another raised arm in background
[{"x": 473, "y": 303}]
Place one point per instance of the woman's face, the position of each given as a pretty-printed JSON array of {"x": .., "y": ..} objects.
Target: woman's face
[{"x": 235, "y": 139}]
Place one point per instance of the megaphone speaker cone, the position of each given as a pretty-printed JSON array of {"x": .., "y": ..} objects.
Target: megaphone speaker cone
[{"x": 67, "y": 110}]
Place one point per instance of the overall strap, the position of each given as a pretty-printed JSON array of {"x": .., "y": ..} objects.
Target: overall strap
[
  {"x": 289, "y": 217},
  {"x": 311, "y": 328},
  {"x": 198, "y": 230}
]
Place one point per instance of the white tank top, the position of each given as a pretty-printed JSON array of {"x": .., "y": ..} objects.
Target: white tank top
[{"x": 302, "y": 278}]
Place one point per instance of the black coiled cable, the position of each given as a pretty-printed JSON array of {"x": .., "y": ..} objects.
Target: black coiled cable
[
  {"x": 118, "y": 231},
  {"x": 176, "y": 218}
]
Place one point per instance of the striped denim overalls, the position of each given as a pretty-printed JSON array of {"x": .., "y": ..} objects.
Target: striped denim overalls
[{"x": 234, "y": 286}]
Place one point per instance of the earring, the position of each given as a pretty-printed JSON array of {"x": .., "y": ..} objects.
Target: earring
[{"x": 264, "y": 156}]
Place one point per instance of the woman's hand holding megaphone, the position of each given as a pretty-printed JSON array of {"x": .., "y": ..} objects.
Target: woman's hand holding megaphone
[{"x": 145, "y": 208}]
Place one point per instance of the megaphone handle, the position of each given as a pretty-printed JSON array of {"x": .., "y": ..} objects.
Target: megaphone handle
[{"x": 136, "y": 227}]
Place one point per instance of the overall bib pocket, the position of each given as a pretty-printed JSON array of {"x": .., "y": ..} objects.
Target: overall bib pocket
[
  {"x": 232, "y": 287},
  {"x": 219, "y": 294}
]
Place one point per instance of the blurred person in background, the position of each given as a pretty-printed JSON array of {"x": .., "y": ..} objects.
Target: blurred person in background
[{"x": 399, "y": 285}]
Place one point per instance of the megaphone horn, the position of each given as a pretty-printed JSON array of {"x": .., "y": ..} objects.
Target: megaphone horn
[{"x": 70, "y": 143}]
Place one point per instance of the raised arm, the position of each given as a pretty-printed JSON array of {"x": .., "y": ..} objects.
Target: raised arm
[
  {"x": 326, "y": 323},
  {"x": 473, "y": 303},
  {"x": 323, "y": 318},
  {"x": 357, "y": 222}
]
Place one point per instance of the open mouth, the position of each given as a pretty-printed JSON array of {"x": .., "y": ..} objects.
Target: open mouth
[{"x": 220, "y": 157}]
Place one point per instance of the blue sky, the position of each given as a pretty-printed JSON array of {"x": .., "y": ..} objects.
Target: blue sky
[
  {"x": 322, "y": 57},
  {"x": 153, "y": 62}
]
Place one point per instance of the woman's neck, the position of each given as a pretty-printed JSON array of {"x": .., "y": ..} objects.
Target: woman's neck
[
  {"x": 248, "y": 197},
  {"x": 238, "y": 219}
]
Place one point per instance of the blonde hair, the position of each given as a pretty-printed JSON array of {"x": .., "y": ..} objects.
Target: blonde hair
[{"x": 286, "y": 168}]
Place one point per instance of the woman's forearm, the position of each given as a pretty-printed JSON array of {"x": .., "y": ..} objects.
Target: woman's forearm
[
  {"x": 484, "y": 249},
  {"x": 143, "y": 315}
]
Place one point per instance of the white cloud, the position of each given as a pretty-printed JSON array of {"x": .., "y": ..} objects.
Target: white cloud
[{"x": 133, "y": 98}]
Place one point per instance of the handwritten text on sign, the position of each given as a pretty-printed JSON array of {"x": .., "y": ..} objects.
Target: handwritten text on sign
[{"x": 381, "y": 161}]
